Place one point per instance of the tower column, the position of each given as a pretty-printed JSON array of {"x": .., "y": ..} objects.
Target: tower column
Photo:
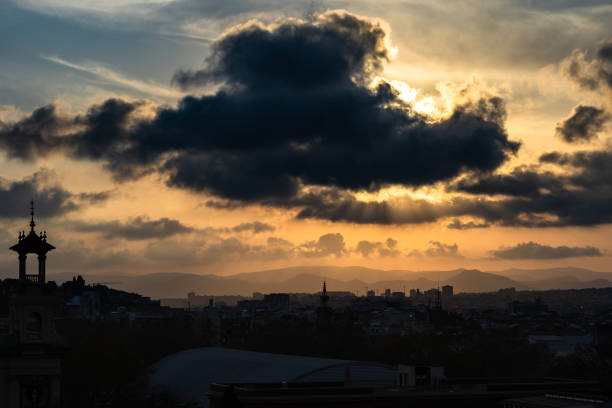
[
  {"x": 42, "y": 258},
  {"x": 22, "y": 266}
]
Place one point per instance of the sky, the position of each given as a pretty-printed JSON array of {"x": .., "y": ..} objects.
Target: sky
[{"x": 220, "y": 137}]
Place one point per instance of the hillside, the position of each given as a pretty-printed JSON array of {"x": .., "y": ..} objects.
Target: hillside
[{"x": 354, "y": 279}]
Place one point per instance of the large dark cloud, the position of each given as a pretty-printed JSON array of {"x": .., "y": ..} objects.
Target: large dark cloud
[
  {"x": 533, "y": 250},
  {"x": 139, "y": 228},
  {"x": 583, "y": 125},
  {"x": 293, "y": 111},
  {"x": 50, "y": 198}
]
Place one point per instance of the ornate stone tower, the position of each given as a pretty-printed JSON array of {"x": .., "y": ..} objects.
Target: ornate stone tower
[
  {"x": 32, "y": 244},
  {"x": 30, "y": 354}
]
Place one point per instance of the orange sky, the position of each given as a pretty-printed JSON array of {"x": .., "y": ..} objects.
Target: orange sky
[{"x": 436, "y": 50}]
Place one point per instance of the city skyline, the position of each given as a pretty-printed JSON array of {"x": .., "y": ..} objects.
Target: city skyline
[{"x": 441, "y": 139}]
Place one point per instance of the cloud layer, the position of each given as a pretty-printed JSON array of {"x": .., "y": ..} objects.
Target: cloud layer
[{"x": 533, "y": 250}]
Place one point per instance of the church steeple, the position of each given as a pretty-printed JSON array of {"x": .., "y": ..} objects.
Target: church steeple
[
  {"x": 324, "y": 297},
  {"x": 32, "y": 244}
]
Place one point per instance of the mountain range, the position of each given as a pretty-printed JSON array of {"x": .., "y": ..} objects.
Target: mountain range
[{"x": 354, "y": 278}]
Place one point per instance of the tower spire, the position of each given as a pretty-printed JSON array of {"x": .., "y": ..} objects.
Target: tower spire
[
  {"x": 324, "y": 297},
  {"x": 32, "y": 223}
]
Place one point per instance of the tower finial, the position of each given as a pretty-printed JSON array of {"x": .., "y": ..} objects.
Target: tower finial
[{"x": 32, "y": 223}]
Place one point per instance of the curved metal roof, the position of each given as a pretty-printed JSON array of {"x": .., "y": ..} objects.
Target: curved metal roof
[{"x": 189, "y": 374}]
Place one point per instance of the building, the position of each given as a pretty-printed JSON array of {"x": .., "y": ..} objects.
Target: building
[
  {"x": 433, "y": 297},
  {"x": 507, "y": 393},
  {"x": 30, "y": 351},
  {"x": 447, "y": 291}
]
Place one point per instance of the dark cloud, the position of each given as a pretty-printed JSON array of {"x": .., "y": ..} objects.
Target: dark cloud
[
  {"x": 255, "y": 227},
  {"x": 97, "y": 197},
  {"x": 578, "y": 192},
  {"x": 576, "y": 195},
  {"x": 605, "y": 52},
  {"x": 50, "y": 198},
  {"x": 139, "y": 228},
  {"x": 328, "y": 51},
  {"x": 458, "y": 225},
  {"x": 583, "y": 125},
  {"x": 591, "y": 171},
  {"x": 293, "y": 112},
  {"x": 380, "y": 249},
  {"x": 520, "y": 182},
  {"x": 533, "y": 250},
  {"x": 593, "y": 74},
  {"x": 35, "y": 135}
]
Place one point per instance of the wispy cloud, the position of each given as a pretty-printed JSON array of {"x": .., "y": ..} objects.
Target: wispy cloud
[
  {"x": 99, "y": 70},
  {"x": 104, "y": 8}
]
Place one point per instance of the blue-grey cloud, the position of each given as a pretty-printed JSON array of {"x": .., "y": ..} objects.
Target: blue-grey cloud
[
  {"x": 138, "y": 228},
  {"x": 533, "y": 250},
  {"x": 50, "y": 199}
]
